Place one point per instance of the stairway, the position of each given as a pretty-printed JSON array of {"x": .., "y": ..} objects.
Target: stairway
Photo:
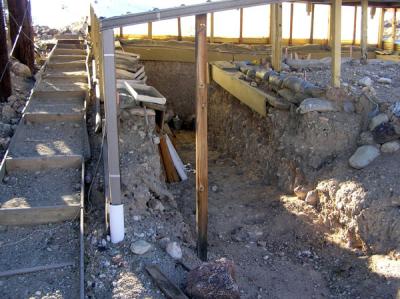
[{"x": 42, "y": 188}]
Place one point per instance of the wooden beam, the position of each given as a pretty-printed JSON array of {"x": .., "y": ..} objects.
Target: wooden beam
[
  {"x": 169, "y": 289},
  {"x": 276, "y": 36},
  {"x": 121, "y": 32},
  {"x": 212, "y": 28},
  {"x": 149, "y": 30},
  {"x": 355, "y": 26},
  {"x": 179, "y": 29},
  {"x": 364, "y": 30},
  {"x": 201, "y": 137},
  {"x": 20, "y": 14},
  {"x": 336, "y": 22},
  {"x": 241, "y": 27},
  {"x": 291, "y": 24},
  {"x": 381, "y": 28},
  {"x": 312, "y": 24}
]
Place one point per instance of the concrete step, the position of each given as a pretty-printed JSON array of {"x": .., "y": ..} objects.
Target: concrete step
[
  {"x": 40, "y": 196},
  {"x": 69, "y": 66},
  {"x": 67, "y": 85},
  {"x": 67, "y": 58},
  {"x": 49, "y": 139},
  {"x": 70, "y": 46},
  {"x": 60, "y": 51},
  {"x": 39, "y": 245}
]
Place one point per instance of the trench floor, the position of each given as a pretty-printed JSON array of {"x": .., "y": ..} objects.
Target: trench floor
[{"x": 279, "y": 247}]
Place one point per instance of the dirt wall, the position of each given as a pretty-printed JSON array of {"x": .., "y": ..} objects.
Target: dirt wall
[
  {"x": 285, "y": 147},
  {"x": 176, "y": 81}
]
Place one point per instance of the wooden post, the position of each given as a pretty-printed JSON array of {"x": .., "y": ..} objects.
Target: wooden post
[
  {"x": 364, "y": 31},
  {"x": 329, "y": 39},
  {"x": 20, "y": 13},
  {"x": 312, "y": 24},
  {"x": 179, "y": 29},
  {"x": 291, "y": 24},
  {"x": 150, "y": 30},
  {"x": 5, "y": 79},
  {"x": 394, "y": 28},
  {"x": 381, "y": 28},
  {"x": 121, "y": 32},
  {"x": 355, "y": 26},
  {"x": 276, "y": 36},
  {"x": 201, "y": 137},
  {"x": 212, "y": 28},
  {"x": 336, "y": 24},
  {"x": 241, "y": 27}
]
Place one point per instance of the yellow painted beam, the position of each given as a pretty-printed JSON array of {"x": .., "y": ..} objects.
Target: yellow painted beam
[{"x": 224, "y": 74}]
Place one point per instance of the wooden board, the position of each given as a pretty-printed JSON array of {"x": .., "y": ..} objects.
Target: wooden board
[
  {"x": 252, "y": 97},
  {"x": 40, "y": 163},
  {"x": 38, "y": 215},
  {"x": 170, "y": 171}
]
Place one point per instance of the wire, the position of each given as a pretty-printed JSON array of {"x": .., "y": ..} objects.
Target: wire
[
  {"x": 15, "y": 41},
  {"x": 16, "y": 23}
]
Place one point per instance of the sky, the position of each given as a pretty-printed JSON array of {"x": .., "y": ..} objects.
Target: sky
[{"x": 60, "y": 13}]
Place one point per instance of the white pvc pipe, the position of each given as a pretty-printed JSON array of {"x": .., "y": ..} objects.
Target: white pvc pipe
[{"x": 117, "y": 228}]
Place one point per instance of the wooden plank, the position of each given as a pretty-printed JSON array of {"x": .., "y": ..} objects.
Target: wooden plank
[
  {"x": 56, "y": 117},
  {"x": 201, "y": 137},
  {"x": 38, "y": 215},
  {"x": 180, "y": 168},
  {"x": 276, "y": 36},
  {"x": 250, "y": 96},
  {"x": 364, "y": 30},
  {"x": 336, "y": 17},
  {"x": 354, "y": 25},
  {"x": 35, "y": 269},
  {"x": 170, "y": 171},
  {"x": 169, "y": 289},
  {"x": 40, "y": 163}
]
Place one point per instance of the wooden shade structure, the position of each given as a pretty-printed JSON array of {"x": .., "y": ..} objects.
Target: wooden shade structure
[{"x": 105, "y": 20}]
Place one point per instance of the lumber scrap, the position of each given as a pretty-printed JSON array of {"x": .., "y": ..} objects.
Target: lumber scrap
[
  {"x": 169, "y": 289},
  {"x": 35, "y": 269},
  {"x": 170, "y": 171}
]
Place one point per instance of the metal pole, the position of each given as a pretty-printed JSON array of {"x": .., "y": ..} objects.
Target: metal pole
[{"x": 201, "y": 137}]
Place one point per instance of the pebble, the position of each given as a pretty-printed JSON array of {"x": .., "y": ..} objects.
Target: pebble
[
  {"x": 140, "y": 247},
  {"x": 137, "y": 218},
  {"x": 174, "y": 250},
  {"x": 38, "y": 293},
  {"x": 363, "y": 156},
  {"x": 366, "y": 81},
  {"x": 103, "y": 242},
  {"x": 378, "y": 120},
  {"x": 108, "y": 238},
  {"x": 385, "y": 80},
  {"x": 390, "y": 147},
  {"x": 214, "y": 188},
  {"x": 312, "y": 198}
]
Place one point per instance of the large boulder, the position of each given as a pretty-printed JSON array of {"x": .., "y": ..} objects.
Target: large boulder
[
  {"x": 213, "y": 280},
  {"x": 5, "y": 130}
]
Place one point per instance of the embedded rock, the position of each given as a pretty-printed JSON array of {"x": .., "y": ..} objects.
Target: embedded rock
[
  {"x": 363, "y": 156},
  {"x": 317, "y": 104},
  {"x": 390, "y": 147},
  {"x": 140, "y": 247},
  {"x": 377, "y": 120},
  {"x": 174, "y": 250}
]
